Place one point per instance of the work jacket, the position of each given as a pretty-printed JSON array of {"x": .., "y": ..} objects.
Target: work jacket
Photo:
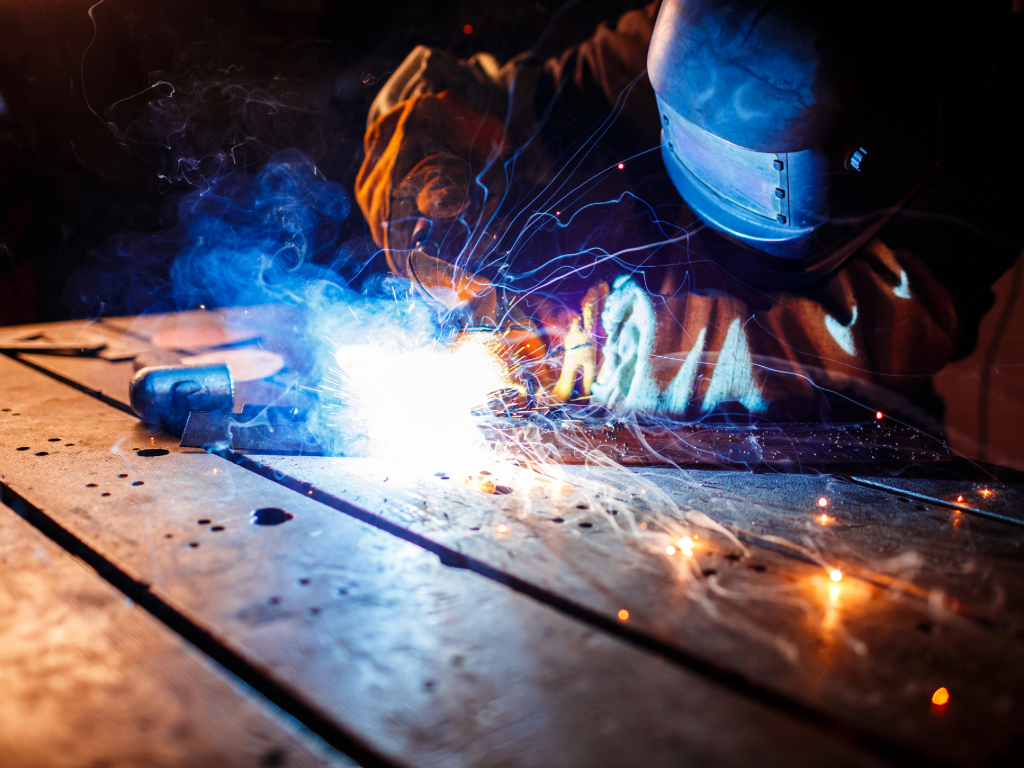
[{"x": 546, "y": 179}]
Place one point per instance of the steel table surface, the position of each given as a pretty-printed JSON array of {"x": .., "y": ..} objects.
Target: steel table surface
[{"x": 400, "y": 617}]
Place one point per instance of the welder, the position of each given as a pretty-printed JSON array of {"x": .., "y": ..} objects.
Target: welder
[{"x": 770, "y": 208}]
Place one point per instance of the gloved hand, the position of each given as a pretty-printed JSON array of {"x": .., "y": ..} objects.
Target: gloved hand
[{"x": 432, "y": 179}]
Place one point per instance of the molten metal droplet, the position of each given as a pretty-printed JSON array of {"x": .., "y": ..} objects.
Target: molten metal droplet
[
  {"x": 621, "y": 166},
  {"x": 822, "y": 502},
  {"x": 468, "y": 29},
  {"x": 623, "y": 614},
  {"x": 502, "y": 528},
  {"x": 670, "y": 550},
  {"x": 941, "y": 697},
  {"x": 960, "y": 498},
  {"x": 824, "y": 519},
  {"x": 836, "y": 575},
  {"x": 879, "y": 415}
]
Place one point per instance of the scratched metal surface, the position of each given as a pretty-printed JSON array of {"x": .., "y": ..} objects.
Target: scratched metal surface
[
  {"x": 868, "y": 655},
  {"x": 931, "y": 597},
  {"x": 416, "y": 662},
  {"x": 91, "y": 679}
]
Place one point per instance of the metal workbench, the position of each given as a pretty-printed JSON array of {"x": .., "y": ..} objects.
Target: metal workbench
[{"x": 399, "y": 617}]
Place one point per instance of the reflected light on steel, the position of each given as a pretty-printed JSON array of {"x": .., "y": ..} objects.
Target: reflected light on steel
[{"x": 941, "y": 697}]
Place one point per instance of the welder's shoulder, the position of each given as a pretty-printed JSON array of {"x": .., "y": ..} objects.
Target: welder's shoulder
[{"x": 479, "y": 81}]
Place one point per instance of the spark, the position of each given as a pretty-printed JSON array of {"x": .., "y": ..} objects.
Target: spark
[
  {"x": 670, "y": 550},
  {"x": 621, "y": 166},
  {"x": 415, "y": 403},
  {"x": 623, "y": 614},
  {"x": 960, "y": 499},
  {"x": 686, "y": 543},
  {"x": 879, "y": 415},
  {"x": 836, "y": 575},
  {"x": 941, "y": 697},
  {"x": 824, "y": 519},
  {"x": 986, "y": 493},
  {"x": 822, "y": 502},
  {"x": 502, "y": 528}
]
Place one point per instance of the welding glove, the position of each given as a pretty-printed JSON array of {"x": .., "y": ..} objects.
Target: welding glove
[{"x": 876, "y": 329}]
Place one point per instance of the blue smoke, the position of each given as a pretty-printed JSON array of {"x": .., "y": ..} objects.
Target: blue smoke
[{"x": 239, "y": 239}]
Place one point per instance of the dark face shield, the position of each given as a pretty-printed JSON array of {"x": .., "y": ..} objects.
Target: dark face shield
[
  {"x": 776, "y": 132},
  {"x": 771, "y": 200}
]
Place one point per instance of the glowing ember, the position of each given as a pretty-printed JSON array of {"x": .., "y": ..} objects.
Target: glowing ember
[
  {"x": 621, "y": 166},
  {"x": 623, "y": 614},
  {"x": 960, "y": 499},
  {"x": 836, "y": 575},
  {"x": 879, "y": 415},
  {"x": 416, "y": 403},
  {"x": 822, "y": 502},
  {"x": 824, "y": 519},
  {"x": 986, "y": 492},
  {"x": 941, "y": 697}
]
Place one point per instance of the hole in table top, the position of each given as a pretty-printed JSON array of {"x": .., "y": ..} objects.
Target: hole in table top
[
  {"x": 304, "y": 582},
  {"x": 5, "y": 409},
  {"x": 581, "y": 506},
  {"x": 105, "y": 493},
  {"x": 924, "y": 626},
  {"x": 270, "y": 516},
  {"x": 203, "y": 521},
  {"x": 42, "y": 453},
  {"x": 759, "y": 568},
  {"x": 275, "y": 600},
  {"x": 557, "y": 519},
  {"x": 194, "y": 544},
  {"x": 168, "y": 535},
  {"x": 138, "y": 482},
  {"x": 90, "y": 485},
  {"x": 314, "y": 611},
  {"x": 342, "y": 591},
  {"x": 16, "y": 414},
  {"x": 921, "y": 508},
  {"x": 122, "y": 475},
  {"x": 216, "y": 528},
  {"x": 23, "y": 448},
  {"x": 53, "y": 440},
  {"x": 903, "y": 500},
  {"x": 69, "y": 445},
  {"x": 586, "y": 525},
  {"x": 153, "y": 452},
  {"x": 733, "y": 556},
  {"x": 709, "y": 571}
]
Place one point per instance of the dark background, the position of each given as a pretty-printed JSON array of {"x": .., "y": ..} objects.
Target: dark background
[{"x": 96, "y": 135}]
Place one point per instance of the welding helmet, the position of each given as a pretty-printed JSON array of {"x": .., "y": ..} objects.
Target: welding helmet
[{"x": 790, "y": 126}]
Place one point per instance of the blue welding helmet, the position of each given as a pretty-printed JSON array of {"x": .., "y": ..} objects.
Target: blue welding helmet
[{"x": 789, "y": 128}]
